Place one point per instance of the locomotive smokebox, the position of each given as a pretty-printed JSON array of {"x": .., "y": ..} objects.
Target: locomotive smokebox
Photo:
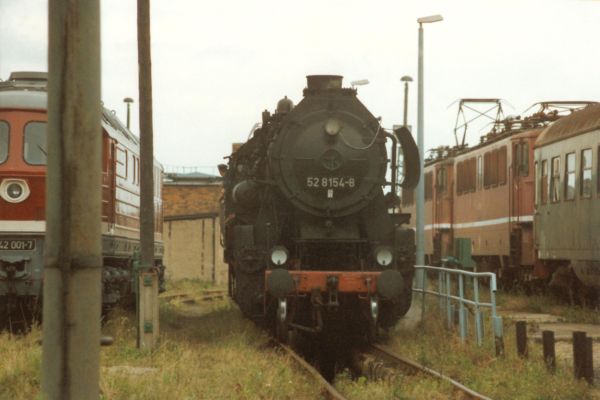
[
  {"x": 390, "y": 285},
  {"x": 324, "y": 82}
]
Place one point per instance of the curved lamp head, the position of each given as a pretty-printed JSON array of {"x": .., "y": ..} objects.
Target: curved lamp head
[
  {"x": 430, "y": 19},
  {"x": 406, "y": 78}
]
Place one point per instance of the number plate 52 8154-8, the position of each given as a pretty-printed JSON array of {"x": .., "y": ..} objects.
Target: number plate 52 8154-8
[{"x": 17, "y": 244}]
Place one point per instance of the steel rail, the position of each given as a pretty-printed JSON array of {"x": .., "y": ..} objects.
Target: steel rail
[
  {"x": 328, "y": 389},
  {"x": 396, "y": 359}
]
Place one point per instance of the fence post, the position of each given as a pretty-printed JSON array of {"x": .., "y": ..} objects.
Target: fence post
[
  {"x": 498, "y": 335},
  {"x": 461, "y": 312},
  {"x": 449, "y": 308},
  {"x": 589, "y": 361},
  {"x": 579, "y": 344},
  {"x": 549, "y": 352},
  {"x": 522, "y": 338}
]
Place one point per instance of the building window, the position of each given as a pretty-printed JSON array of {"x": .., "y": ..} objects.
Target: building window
[
  {"x": 480, "y": 167},
  {"x": 570, "y": 177},
  {"x": 3, "y": 141},
  {"x": 586, "y": 173},
  {"x": 555, "y": 180},
  {"x": 428, "y": 186},
  {"x": 34, "y": 143},
  {"x": 544, "y": 182}
]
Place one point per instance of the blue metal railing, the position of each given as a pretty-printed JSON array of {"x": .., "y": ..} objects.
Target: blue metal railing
[{"x": 448, "y": 299}]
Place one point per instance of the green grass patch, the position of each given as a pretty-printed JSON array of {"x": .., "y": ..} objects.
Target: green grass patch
[
  {"x": 506, "y": 377},
  {"x": 206, "y": 351}
]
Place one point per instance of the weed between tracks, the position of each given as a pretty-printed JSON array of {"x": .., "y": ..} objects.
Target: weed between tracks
[
  {"x": 508, "y": 377},
  {"x": 207, "y": 351}
]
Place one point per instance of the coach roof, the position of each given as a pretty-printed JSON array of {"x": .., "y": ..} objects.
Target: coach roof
[{"x": 579, "y": 122}]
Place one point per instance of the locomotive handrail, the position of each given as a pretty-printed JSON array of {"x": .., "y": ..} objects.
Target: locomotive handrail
[{"x": 447, "y": 299}]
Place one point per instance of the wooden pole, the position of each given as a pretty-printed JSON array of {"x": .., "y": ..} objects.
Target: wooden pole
[
  {"x": 522, "y": 338},
  {"x": 147, "y": 312},
  {"x": 72, "y": 249},
  {"x": 549, "y": 350}
]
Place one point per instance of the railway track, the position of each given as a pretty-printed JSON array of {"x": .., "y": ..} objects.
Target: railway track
[
  {"x": 193, "y": 297},
  {"x": 378, "y": 362},
  {"x": 328, "y": 390}
]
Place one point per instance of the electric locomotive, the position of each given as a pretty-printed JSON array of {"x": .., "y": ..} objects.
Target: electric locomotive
[
  {"x": 312, "y": 241},
  {"x": 23, "y": 119}
]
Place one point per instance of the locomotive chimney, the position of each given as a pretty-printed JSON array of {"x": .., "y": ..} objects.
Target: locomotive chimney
[{"x": 323, "y": 82}]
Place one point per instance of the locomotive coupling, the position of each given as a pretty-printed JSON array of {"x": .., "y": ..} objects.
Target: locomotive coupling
[
  {"x": 390, "y": 284},
  {"x": 280, "y": 283}
]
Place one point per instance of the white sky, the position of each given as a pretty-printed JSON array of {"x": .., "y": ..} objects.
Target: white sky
[{"x": 218, "y": 64}]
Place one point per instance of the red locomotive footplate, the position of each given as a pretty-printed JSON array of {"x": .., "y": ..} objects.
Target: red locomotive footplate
[{"x": 348, "y": 282}]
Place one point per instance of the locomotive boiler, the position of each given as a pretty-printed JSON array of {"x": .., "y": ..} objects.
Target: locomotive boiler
[{"x": 312, "y": 240}]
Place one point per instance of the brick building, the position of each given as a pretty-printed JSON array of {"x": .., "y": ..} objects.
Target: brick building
[{"x": 191, "y": 229}]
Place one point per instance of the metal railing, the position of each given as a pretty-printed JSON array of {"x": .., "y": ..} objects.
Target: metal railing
[{"x": 451, "y": 290}]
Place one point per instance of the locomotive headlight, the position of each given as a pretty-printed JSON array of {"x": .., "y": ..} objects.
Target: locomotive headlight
[
  {"x": 384, "y": 256},
  {"x": 279, "y": 255},
  {"x": 14, "y": 190}
]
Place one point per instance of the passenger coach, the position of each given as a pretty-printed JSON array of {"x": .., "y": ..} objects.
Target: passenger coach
[{"x": 567, "y": 217}]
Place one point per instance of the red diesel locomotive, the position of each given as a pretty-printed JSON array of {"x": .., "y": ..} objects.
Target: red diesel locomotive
[{"x": 23, "y": 118}]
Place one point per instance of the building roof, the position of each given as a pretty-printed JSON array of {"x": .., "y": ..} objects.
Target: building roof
[
  {"x": 191, "y": 178},
  {"x": 579, "y": 122}
]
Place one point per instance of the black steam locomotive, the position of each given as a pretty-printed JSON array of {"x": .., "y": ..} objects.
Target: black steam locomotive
[{"x": 312, "y": 242}]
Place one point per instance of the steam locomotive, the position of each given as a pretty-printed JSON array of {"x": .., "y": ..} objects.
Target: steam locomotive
[
  {"x": 312, "y": 242},
  {"x": 23, "y": 119}
]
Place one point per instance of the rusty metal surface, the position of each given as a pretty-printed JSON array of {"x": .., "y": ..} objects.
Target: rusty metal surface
[{"x": 575, "y": 124}]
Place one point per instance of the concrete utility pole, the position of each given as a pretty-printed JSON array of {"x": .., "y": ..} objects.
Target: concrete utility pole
[
  {"x": 72, "y": 251},
  {"x": 148, "y": 311}
]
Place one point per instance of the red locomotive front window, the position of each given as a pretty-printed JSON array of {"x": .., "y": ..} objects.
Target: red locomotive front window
[
  {"x": 3, "y": 141},
  {"x": 34, "y": 143}
]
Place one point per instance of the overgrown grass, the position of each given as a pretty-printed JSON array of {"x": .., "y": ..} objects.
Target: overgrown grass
[
  {"x": 506, "y": 377},
  {"x": 206, "y": 351}
]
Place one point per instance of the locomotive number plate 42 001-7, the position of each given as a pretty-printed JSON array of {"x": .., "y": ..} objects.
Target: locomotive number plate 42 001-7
[{"x": 17, "y": 244}]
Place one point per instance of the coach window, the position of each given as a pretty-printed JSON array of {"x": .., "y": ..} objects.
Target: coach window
[
  {"x": 487, "y": 169},
  {"x": 428, "y": 185},
  {"x": 502, "y": 166},
  {"x": 408, "y": 197},
  {"x": 441, "y": 180},
  {"x": 570, "y": 177},
  {"x": 555, "y": 180},
  {"x": 3, "y": 141},
  {"x": 544, "y": 182},
  {"x": 586, "y": 173},
  {"x": 34, "y": 146},
  {"x": 121, "y": 161}
]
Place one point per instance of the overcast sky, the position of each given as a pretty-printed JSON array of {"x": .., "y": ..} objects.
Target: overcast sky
[{"x": 218, "y": 64}]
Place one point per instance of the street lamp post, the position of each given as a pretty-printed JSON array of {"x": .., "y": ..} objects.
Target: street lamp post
[
  {"x": 406, "y": 79},
  {"x": 359, "y": 82},
  {"x": 420, "y": 259}
]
